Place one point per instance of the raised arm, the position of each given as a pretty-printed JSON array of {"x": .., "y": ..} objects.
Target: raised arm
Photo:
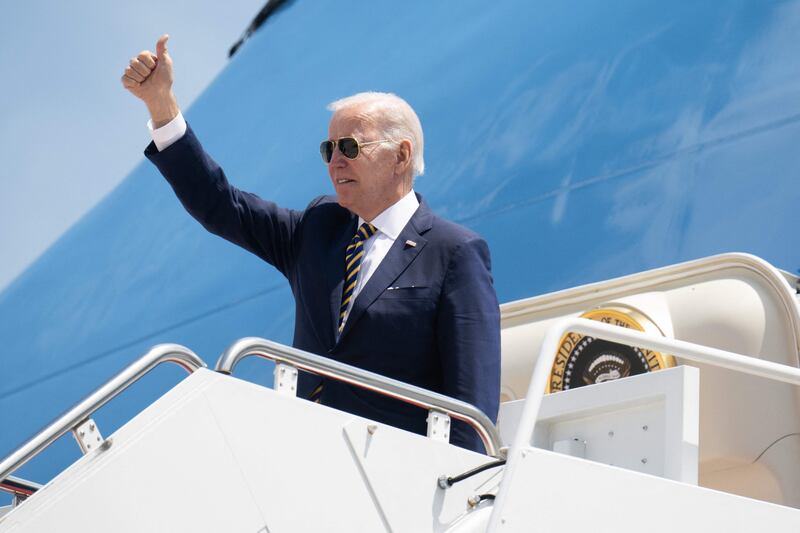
[{"x": 259, "y": 226}]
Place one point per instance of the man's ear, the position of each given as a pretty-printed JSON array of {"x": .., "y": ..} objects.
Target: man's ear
[{"x": 404, "y": 154}]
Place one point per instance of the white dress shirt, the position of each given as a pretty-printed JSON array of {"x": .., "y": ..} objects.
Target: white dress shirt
[{"x": 389, "y": 223}]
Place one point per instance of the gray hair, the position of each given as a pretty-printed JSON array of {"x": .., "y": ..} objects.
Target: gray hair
[{"x": 397, "y": 120}]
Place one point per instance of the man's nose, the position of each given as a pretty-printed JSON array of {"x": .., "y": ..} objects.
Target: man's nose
[{"x": 337, "y": 158}]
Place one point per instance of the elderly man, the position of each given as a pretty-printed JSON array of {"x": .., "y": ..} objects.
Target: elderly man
[{"x": 379, "y": 281}]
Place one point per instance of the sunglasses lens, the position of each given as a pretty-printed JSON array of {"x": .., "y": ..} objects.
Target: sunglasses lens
[
  {"x": 349, "y": 147},
  {"x": 326, "y": 150}
]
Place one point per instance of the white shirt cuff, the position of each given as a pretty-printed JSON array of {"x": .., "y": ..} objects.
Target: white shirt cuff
[{"x": 167, "y": 134}]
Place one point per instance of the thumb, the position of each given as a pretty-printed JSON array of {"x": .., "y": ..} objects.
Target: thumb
[{"x": 161, "y": 46}]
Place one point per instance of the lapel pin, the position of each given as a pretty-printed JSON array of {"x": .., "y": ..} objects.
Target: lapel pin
[{"x": 411, "y": 244}]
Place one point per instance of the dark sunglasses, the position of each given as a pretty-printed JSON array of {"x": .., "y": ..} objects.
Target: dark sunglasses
[{"x": 349, "y": 147}]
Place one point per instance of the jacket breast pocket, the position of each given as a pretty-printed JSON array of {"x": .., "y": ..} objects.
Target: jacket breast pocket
[
  {"x": 401, "y": 313},
  {"x": 407, "y": 292}
]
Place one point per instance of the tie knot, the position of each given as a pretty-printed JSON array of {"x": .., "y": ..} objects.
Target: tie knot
[{"x": 364, "y": 232}]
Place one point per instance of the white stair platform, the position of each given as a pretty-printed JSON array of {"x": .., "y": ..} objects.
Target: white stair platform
[{"x": 219, "y": 454}]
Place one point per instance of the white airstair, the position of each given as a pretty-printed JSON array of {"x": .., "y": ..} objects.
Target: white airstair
[{"x": 669, "y": 450}]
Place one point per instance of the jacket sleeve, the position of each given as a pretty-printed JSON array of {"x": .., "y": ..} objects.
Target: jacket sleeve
[
  {"x": 468, "y": 336},
  {"x": 256, "y": 225}
]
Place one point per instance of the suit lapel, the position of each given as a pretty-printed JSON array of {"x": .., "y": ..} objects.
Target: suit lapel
[
  {"x": 398, "y": 258},
  {"x": 334, "y": 269}
]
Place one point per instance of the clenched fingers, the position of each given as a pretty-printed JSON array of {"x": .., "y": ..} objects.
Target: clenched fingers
[
  {"x": 139, "y": 68},
  {"x": 135, "y": 76},
  {"x": 147, "y": 58},
  {"x": 129, "y": 83}
]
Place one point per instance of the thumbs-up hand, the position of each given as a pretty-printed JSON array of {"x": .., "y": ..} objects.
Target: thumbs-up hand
[{"x": 149, "y": 77}]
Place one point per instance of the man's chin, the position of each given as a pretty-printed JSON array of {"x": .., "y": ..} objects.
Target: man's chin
[
  {"x": 347, "y": 205},
  {"x": 342, "y": 201}
]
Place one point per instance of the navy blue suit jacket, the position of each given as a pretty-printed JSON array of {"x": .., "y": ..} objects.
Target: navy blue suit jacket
[{"x": 438, "y": 327}]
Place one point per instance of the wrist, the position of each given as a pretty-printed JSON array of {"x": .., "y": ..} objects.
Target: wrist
[{"x": 163, "y": 110}]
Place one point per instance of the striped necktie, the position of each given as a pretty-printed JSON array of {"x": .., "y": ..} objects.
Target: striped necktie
[{"x": 352, "y": 259}]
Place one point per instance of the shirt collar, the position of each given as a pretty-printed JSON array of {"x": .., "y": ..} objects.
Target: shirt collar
[{"x": 394, "y": 218}]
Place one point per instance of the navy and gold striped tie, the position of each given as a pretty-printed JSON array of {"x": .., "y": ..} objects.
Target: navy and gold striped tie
[{"x": 352, "y": 259}]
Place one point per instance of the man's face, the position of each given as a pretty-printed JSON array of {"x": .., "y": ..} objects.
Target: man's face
[{"x": 368, "y": 184}]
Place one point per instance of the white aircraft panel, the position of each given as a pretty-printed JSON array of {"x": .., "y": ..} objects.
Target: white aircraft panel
[
  {"x": 648, "y": 423},
  {"x": 554, "y": 492}
]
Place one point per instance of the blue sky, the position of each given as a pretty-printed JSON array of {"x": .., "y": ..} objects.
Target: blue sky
[{"x": 69, "y": 132}]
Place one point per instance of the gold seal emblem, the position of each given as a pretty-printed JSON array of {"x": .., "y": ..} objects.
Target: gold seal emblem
[{"x": 584, "y": 360}]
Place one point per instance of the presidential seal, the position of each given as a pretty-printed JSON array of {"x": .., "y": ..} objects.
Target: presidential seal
[{"x": 584, "y": 360}]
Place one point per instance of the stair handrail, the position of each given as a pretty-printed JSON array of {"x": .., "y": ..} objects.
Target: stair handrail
[
  {"x": 698, "y": 353},
  {"x": 328, "y": 368},
  {"x": 161, "y": 353}
]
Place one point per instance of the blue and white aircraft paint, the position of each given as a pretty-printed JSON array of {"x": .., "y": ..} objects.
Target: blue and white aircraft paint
[{"x": 584, "y": 140}]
